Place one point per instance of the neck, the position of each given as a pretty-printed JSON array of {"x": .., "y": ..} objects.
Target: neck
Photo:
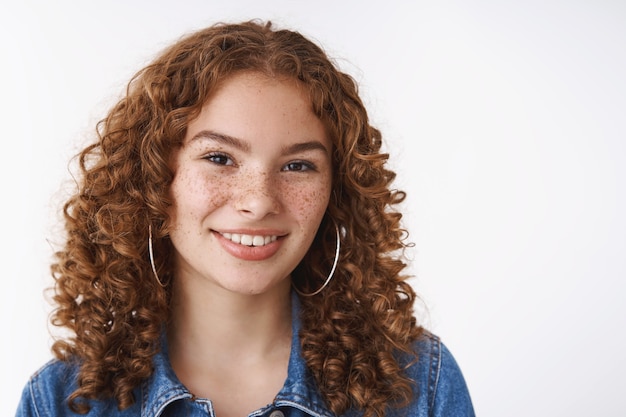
[
  {"x": 222, "y": 344},
  {"x": 214, "y": 325}
]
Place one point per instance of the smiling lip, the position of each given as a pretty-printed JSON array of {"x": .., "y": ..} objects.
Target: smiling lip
[
  {"x": 250, "y": 240},
  {"x": 250, "y": 246}
]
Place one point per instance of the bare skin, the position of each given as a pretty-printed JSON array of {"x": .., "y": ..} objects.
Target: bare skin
[
  {"x": 229, "y": 349},
  {"x": 252, "y": 183}
]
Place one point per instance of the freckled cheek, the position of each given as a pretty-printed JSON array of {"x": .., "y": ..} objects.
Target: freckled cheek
[
  {"x": 307, "y": 202},
  {"x": 196, "y": 195}
]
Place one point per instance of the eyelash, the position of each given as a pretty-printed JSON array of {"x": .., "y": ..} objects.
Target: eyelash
[
  {"x": 214, "y": 156},
  {"x": 223, "y": 159},
  {"x": 308, "y": 166}
]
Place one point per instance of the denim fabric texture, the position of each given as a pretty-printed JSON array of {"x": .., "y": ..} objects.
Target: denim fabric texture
[{"x": 440, "y": 389}]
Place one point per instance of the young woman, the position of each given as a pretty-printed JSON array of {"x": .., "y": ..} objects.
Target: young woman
[{"x": 232, "y": 249}]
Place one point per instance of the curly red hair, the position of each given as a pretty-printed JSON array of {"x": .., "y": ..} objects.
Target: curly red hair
[{"x": 105, "y": 292}]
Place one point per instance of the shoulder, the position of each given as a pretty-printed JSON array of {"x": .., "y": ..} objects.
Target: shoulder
[
  {"x": 440, "y": 386},
  {"x": 47, "y": 391}
]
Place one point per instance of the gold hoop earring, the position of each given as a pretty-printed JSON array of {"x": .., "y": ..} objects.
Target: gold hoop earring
[
  {"x": 151, "y": 254},
  {"x": 332, "y": 270}
]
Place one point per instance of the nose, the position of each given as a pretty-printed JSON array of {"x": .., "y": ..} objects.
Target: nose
[{"x": 257, "y": 196}]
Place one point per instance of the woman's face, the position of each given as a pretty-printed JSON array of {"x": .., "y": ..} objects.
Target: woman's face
[{"x": 252, "y": 183}]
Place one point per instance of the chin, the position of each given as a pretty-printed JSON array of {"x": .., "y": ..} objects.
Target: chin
[{"x": 258, "y": 288}]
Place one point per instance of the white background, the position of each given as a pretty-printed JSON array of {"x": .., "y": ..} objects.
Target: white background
[{"x": 506, "y": 121}]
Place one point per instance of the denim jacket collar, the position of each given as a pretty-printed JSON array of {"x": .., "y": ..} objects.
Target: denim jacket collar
[{"x": 299, "y": 390}]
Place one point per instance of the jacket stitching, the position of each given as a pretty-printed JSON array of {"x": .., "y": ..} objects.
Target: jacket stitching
[{"x": 434, "y": 371}]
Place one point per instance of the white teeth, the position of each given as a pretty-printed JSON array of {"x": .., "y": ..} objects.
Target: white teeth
[{"x": 249, "y": 240}]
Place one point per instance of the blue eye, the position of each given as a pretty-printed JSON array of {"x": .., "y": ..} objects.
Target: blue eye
[
  {"x": 219, "y": 159},
  {"x": 299, "y": 166}
]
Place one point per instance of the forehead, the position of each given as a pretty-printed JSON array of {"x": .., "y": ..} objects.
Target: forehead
[
  {"x": 253, "y": 103},
  {"x": 250, "y": 83}
]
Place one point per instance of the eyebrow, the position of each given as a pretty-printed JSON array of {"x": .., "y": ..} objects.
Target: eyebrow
[
  {"x": 222, "y": 138},
  {"x": 237, "y": 143},
  {"x": 312, "y": 145}
]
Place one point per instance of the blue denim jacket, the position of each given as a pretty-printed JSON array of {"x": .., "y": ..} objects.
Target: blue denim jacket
[{"x": 440, "y": 389}]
